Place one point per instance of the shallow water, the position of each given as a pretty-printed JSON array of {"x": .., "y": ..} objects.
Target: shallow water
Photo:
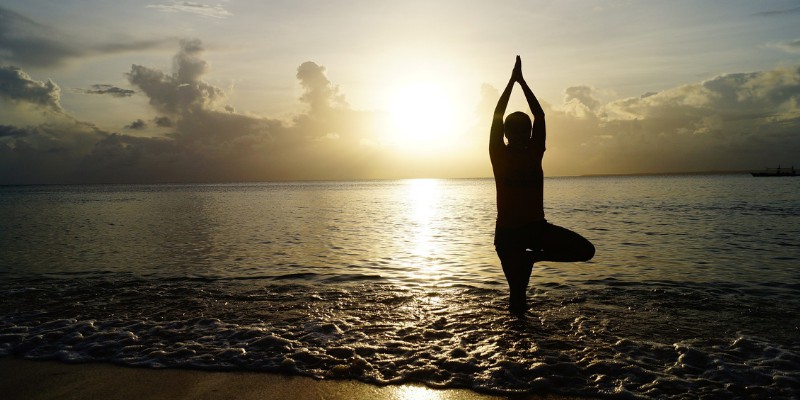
[{"x": 693, "y": 291}]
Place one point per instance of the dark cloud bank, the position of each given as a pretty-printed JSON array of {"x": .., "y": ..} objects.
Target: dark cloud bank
[
  {"x": 109, "y": 90},
  {"x": 26, "y": 42},
  {"x": 735, "y": 121},
  {"x": 17, "y": 87}
]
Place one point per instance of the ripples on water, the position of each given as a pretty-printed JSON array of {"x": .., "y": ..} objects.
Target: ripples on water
[{"x": 693, "y": 291}]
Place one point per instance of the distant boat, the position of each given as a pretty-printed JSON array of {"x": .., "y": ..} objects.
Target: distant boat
[{"x": 776, "y": 172}]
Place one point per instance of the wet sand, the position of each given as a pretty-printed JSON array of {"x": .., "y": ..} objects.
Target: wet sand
[{"x": 26, "y": 379}]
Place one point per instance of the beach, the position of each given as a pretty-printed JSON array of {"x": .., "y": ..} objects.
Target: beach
[{"x": 40, "y": 380}]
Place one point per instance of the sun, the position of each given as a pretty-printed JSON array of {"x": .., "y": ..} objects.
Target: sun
[{"x": 420, "y": 114}]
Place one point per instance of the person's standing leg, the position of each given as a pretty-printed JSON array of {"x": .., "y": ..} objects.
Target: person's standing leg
[{"x": 517, "y": 269}]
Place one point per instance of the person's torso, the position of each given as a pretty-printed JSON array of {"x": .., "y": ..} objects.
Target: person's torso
[{"x": 520, "y": 187}]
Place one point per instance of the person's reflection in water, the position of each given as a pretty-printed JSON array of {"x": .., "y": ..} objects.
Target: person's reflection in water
[{"x": 522, "y": 235}]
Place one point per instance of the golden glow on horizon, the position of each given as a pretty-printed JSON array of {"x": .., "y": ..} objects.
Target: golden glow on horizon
[{"x": 422, "y": 116}]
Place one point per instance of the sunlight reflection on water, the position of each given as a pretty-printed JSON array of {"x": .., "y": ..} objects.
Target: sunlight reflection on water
[{"x": 423, "y": 201}]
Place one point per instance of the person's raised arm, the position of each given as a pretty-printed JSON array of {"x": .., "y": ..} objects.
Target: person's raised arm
[
  {"x": 539, "y": 133},
  {"x": 496, "y": 132}
]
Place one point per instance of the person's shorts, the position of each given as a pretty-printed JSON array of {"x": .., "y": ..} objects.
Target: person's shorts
[{"x": 523, "y": 238}]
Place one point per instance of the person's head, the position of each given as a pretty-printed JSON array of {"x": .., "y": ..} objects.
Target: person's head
[{"x": 517, "y": 127}]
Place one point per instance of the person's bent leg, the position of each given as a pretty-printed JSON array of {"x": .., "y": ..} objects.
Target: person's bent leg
[{"x": 563, "y": 245}]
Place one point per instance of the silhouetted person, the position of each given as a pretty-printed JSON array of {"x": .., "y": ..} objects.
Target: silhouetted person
[{"x": 522, "y": 235}]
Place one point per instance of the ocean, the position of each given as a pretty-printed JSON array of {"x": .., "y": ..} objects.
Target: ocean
[{"x": 694, "y": 290}]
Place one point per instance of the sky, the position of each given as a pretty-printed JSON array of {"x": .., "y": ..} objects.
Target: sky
[{"x": 242, "y": 90}]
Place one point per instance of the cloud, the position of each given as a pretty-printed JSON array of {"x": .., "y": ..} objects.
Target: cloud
[
  {"x": 12, "y": 131},
  {"x": 126, "y": 46},
  {"x": 17, "y": 86},
  {"x": 164, "y": 122},
  {"x": 182, "y": 90},
  {"x": 137, "y": 125},
  {"x": 791, "y": 46},
  {"x": 732, "y": 121},
  {"x": 109, "y": 90},
  {"x": 29, "y": 43},
  {"x": 775, "y": 13},
  {"x": 319, "y": 93},
  {"x": 206, "y": 10},
  {"x": 49, "y": 152},
  {"x": 580, "y": 102}
]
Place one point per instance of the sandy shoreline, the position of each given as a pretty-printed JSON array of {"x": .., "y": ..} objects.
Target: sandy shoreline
[{"x": 26, "y": 379}]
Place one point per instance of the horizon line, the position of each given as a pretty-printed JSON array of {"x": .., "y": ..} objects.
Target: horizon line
[{"x": 233, "y": 182}]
